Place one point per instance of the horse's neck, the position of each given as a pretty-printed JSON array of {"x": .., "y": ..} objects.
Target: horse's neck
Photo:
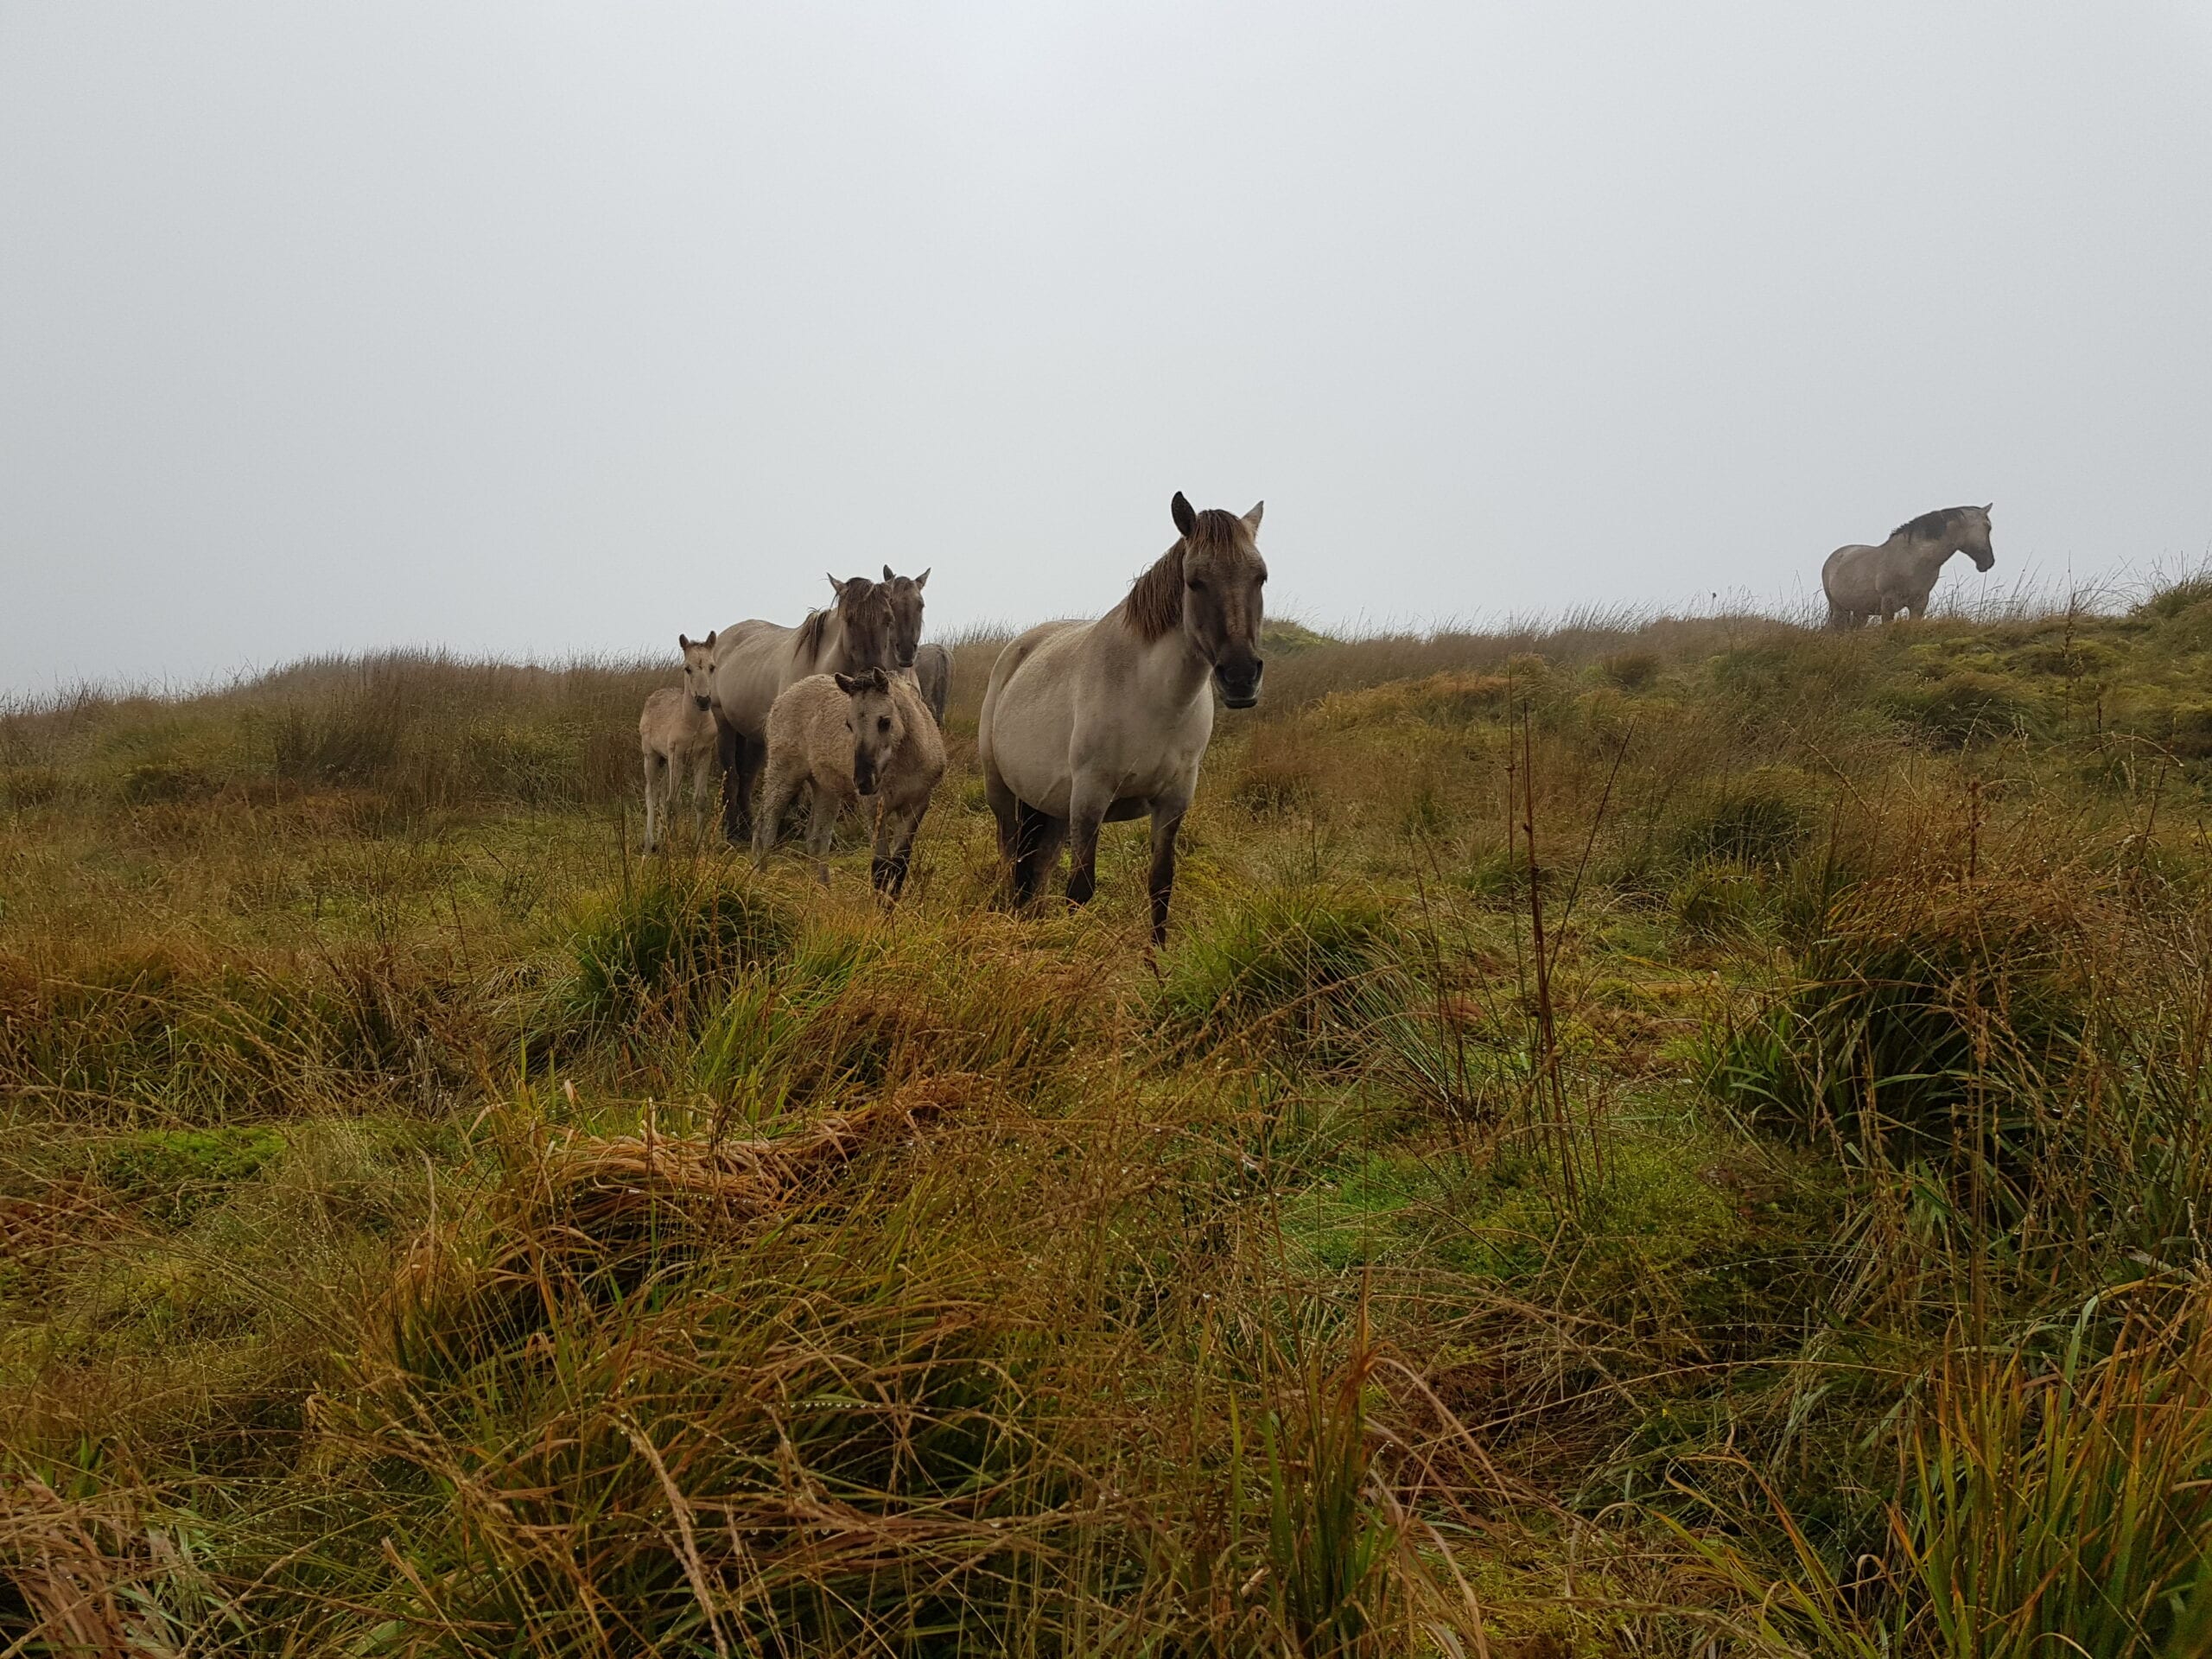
[
  {"x": 828, "y": 656},
  {"x": 1923, "y": 556},
  {"x": 1169, "y": 670}
]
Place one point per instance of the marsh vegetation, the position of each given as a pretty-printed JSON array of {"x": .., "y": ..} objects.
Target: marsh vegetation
[{"x": 1675, "y": 1136}]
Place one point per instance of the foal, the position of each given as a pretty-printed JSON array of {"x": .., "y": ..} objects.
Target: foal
[
  {"x": 676, "y": 732},
  {"x": 756, "y": 660},
  {"x": 844, "y": 738}
]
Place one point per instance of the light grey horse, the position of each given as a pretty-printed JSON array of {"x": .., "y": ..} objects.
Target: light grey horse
[
  {"x": 1086, "y": 723},
  {"x": 1898, "y": 575},
  {"x": 755, "y": 660}
]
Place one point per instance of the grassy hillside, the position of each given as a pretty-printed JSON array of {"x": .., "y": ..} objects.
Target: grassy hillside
[{"x": 1681, "y": 1138}]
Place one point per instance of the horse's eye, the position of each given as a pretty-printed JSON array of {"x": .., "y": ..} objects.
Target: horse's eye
[
  {"x": 883, "y": 722},
  {"x": 1197, "y": 586}
]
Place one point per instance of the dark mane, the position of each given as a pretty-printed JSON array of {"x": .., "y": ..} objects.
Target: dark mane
[
  {"x": 810, "y": 632},
  {"x": 1933, "y": 526},
  {"x": 1155, "y": 602}
]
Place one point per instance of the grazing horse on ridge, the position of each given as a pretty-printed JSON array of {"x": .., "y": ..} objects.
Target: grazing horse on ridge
[
  {"x": 755, "y": 660},
  {"x": 1898, "y": 575},
  {"x": 1086, "y": 723}
]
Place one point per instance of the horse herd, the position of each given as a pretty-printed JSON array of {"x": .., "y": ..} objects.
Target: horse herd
[{"x": 1084, "y": 723}]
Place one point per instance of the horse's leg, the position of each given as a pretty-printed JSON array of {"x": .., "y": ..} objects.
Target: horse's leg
[
  {"x": 702, "y": 766},
  {"x": 1005, "y": 812},
  {"x": 767, "y": 828},
  {"x": 1022, "y": 866},
  {"x": 728, "y": 746},
  {"x": 652, "y": 761},
  {"x": 1038, "y": 838},
  {"x": 894, "y": 839},
  {"x": 1086, "y": 812},
  {"x": 821, "y": 820},
  {"x": 1167, "y": 820},
  {"x": 752, "y": 760}
]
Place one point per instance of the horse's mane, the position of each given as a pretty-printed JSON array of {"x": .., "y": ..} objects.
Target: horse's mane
[
  {"x": 1930, "y": 526},
  {"x": 810, "y": 631},
  {"x": 1155, "y": 602}
]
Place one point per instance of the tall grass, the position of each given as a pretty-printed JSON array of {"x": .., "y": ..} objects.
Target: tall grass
[{"x": 1683, "y": 1134}]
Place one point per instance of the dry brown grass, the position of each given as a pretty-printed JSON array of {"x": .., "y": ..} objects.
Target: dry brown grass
[{"x": 1497, "y": 1218}]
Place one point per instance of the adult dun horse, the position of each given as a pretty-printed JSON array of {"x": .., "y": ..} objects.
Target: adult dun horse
[
  {"x": 930, "y": 665},
  {"x": 1086, "y": 723},
  {"x": 1898, "y": 575},
  {"x": 755, "y": 660}
]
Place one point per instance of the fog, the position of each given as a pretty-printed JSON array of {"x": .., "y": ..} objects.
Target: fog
[{"x": 547, "y": 330}]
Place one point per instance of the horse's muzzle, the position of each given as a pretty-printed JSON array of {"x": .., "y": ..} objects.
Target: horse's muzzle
[
  {"x": 704, "y": 703},
  {"x": 863, "y": 774},
  {"x": 1239, "y": 690}
]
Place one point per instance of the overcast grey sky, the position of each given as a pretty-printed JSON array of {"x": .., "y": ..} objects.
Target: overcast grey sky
[{"x": 545, "y": 329}]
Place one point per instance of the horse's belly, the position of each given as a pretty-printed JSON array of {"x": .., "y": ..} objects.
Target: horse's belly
[{"x": 1029, "y": 749}]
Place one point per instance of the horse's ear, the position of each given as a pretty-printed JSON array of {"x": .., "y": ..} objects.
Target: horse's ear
[
  {"x": 847, "y": 685},
  {"x": 878, "y": 680},
  {"x": 709, "y": 642},
  {"x": 922, "y": 580},
  {"x": 1252, "y": 519},
  {"x": 684, "y": 642},
  {"x": 1186, "y": 520},
  {"x": 836, "y": 585},
  {"x": 1985, "y": 507},
  {"x": 888, "y": 577}
]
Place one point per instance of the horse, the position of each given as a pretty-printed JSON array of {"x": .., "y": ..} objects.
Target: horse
[
  {"x": 928, "y": 668},
  {"x": 1898, "y": 575},
  {"x": 843, "y": 738},
  {"x": 755, "y": 660},
  {"x": 933, "y": 673},
  {"x": 1086, "y": 723},
  {"x": 906, "y": 594},
  {"x": 676, "y": 734}
]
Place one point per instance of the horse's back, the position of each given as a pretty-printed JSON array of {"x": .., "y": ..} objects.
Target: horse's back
[
  {"x": 750, "y": 658},
  {"x": 658, "y": 720},
  {"x": 1846, "y": 568}
]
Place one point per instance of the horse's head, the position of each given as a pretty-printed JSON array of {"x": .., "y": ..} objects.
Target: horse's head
[
  {"x": 1223, "y": 574},
  {"x": 906, "y": 615},
  {"x": 1973, "y": 536},
  {"x": 698, "y": 668},
  {"x": 873, "y": 719},
  {"x": 864, "y": 616}
]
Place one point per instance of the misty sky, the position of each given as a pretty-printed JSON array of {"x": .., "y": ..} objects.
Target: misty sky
[{"x": 549, "y": 329}]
